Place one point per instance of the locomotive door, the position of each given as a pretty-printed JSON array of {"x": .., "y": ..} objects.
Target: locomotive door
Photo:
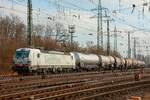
[{"x": 38, "y": 59}]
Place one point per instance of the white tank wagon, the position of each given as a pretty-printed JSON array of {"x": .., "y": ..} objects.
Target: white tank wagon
[
  {"x": 106, "y": 62},
  {"x": 86, "y": 61},
  {"x": 123, "y": 64},
  {"x": 33, "y": 60},
  {"x": 134, "y": 63},
  {"x": 119, "y": 63},
  {"x": 141, "y": 63},
  {"x": 128, "y": 63}
]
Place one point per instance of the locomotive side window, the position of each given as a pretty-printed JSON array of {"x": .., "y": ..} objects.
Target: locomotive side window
[
  {"x": 38, "y": 55},
  {"x": 72, "y": 57}
]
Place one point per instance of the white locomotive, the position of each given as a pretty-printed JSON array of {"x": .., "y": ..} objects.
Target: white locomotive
[
  {"x": 27, "y": 60},
  {"x": 33, "y": 60}
]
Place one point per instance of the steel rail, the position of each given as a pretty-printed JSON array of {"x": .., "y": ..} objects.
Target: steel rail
[{"x": 76, "y": 95}]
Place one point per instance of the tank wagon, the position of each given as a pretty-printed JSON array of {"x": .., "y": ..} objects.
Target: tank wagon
[
  {"x": 85, "y": 61},
  {"x": 119, "y": 63},
  {"x": 140, "y": 63},
  {"x": 27, "y": 60},
  {"x": 128, "y": 63},
  {"x": 106, "y": 62}
]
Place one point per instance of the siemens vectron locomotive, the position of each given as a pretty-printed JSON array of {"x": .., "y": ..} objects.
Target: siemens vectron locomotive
[{"x": 27, "y": 60}]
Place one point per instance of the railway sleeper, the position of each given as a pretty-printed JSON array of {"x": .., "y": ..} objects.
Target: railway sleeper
[
  {"x": 115, "y": 92},
  {"x": 64, "y": 91},
  {"x": 38, "y": 91},
  {"x": 45, "y": 91},
  {"x": 91, "y": 91}
]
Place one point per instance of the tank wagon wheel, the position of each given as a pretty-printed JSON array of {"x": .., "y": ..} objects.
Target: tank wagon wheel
[{"x": 99, "y": 69}]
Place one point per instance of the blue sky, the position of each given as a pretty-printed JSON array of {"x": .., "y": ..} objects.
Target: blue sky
[{"x": 137, "y": 22}]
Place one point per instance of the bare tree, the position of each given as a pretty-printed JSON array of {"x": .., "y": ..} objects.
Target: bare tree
[
  {"x": 49, "y": 32},
  {"x": 12, "y": 33}
]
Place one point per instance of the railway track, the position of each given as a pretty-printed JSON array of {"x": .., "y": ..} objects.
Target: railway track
[
  {"x": 30, "y": 79},
  {"x": 56, "y": 89},
  {"x": 7, "y": 88},
  {"x": 53, "y": 90},
  {"x": 55, "y": 85},
  {"x": 15, "y": 79},
  {"x": 99, "y": 92},
  {"x": 116, "y": 90},
  {"x": 11, "y": 79}
]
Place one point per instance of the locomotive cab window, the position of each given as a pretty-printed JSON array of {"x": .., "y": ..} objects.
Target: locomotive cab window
[
  {"x": 22, "y": 54},
  {"x": 38, "y": 55}
]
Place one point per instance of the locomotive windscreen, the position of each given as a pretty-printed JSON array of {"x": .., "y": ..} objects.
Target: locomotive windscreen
[{"x": 22, "y": 54}]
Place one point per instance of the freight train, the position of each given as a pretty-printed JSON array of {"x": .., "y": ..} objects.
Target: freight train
[{"x": 28, "y": 60}]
